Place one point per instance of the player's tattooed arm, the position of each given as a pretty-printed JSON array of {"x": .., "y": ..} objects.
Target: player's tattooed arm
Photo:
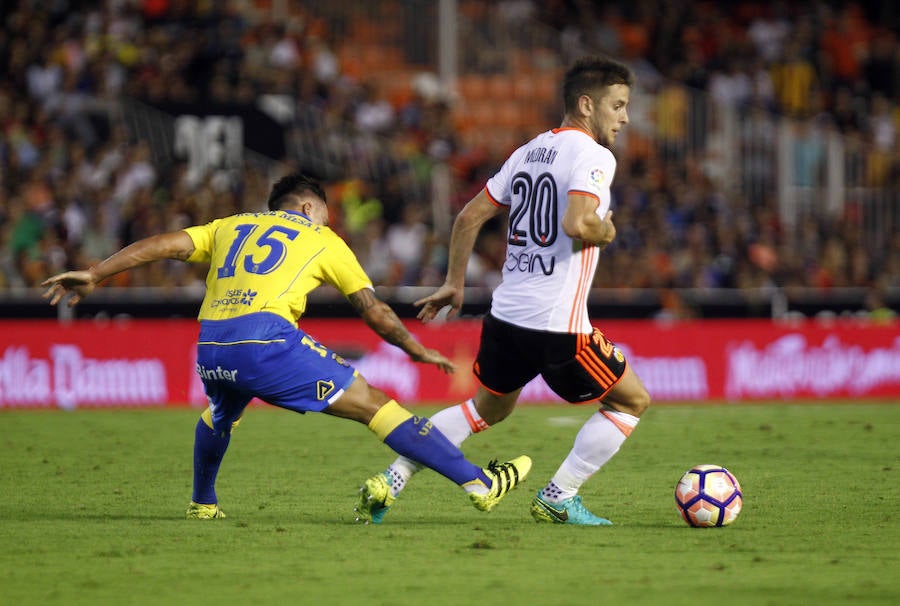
[
  {"x": 362, "y": 300},
  {"x": 379, "y": 316}
]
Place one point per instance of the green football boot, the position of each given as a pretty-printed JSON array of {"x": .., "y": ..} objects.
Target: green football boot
[
  {"x": 568, "y": 511},
  {"x": 374, "y": 499},
  {"x": 199, "y": 511}
]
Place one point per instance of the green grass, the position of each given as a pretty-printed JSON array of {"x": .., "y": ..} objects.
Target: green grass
[{"x": 91, "y": 508}]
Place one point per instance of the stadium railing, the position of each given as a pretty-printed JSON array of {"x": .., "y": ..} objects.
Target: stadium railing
[{"x": 692, "y": 303}]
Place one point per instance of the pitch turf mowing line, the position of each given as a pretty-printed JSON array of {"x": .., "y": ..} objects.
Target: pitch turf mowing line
[{"x": 92, "y": 505}]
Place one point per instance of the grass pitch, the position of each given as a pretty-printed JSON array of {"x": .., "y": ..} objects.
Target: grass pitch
[{"x": 92, "y": 504}]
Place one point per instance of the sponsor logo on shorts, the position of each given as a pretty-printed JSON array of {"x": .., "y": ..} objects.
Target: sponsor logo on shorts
[{"x": 217, "y": 374}]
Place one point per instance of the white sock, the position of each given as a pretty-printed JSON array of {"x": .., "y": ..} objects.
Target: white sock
[
  {"x": 456, "y": 422},
  {"x": 597, "y": 441}
]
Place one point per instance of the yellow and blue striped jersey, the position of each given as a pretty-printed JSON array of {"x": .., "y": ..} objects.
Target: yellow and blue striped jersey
[{"x": 270, "y": 261}]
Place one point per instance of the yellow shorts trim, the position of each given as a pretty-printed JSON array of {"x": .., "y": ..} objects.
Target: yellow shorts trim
[{"x": 388, "y": 418}]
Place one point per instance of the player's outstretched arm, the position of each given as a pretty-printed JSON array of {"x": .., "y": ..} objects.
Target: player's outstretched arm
[
  {"x": 172, "y": 245},
  {"x": 438, "y": 300},
  {"x": 466, "y": 227},
  {"x": 379, "y": 316}
]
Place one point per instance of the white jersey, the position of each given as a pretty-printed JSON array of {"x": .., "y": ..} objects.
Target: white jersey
[{"x": 547, "y": 275}]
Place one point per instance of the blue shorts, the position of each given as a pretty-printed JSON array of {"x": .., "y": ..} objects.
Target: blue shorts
[{"x": 264, "y": 356}]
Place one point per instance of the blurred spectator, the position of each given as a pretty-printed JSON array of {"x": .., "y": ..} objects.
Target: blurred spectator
[
  {"x": 406, "y": 244},
  {"x": 374, "y": 255},
  {"x": 769, "y": 31},
  {"x": 844, "y": 42},
  {"x": 794, "y": 77},
  {"x": 374, "y": 114},
  {"x": 732, "y": 86}
]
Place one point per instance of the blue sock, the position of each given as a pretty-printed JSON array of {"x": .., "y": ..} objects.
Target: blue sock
[
  {"x": 209, "y": 449},
  {"x": 416, "y": 438}
]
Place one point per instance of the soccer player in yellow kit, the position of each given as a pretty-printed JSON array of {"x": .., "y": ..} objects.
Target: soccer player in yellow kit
[{"x": 262, "y": 266}]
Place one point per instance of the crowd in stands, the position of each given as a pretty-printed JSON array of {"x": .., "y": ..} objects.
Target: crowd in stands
[{"x": 75, "y": 184}]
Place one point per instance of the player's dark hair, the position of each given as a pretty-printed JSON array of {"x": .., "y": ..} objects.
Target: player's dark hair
[
  {"x": 293, "y": 185},
  {"x": 589, "y": 75}
]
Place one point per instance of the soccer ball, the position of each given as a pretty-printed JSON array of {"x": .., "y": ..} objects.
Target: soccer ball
[{"x": 708, "y": 495}]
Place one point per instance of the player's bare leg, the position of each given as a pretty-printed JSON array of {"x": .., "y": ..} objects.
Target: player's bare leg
[
  {"x": 598, "y": 440},
  {"x": 629, "y": 395}
]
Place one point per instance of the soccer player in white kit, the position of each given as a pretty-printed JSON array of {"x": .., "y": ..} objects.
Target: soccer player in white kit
[{"x": 556, "y": 190}]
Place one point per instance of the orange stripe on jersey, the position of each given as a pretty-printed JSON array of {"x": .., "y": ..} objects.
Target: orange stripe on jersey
[
  {"x": 625, "y": 429},
  {"x": 492, "y": 199},
  {"x": 565, "y": 128},
  {"x": 475, "y": 425},
  {"x": 589, "y": 268},
  {"x": 574, "y": 311},
  {"x": 584, "y": 284},
  {"x": 589, "y": 194}
]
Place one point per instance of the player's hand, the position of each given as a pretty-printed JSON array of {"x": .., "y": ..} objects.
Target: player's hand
[
  {"x": 77, "y": 283},
  {"x": 438, "y": 300},
  {"x": 433, "y": 356},
  {"x": 610, "y": 232}
]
